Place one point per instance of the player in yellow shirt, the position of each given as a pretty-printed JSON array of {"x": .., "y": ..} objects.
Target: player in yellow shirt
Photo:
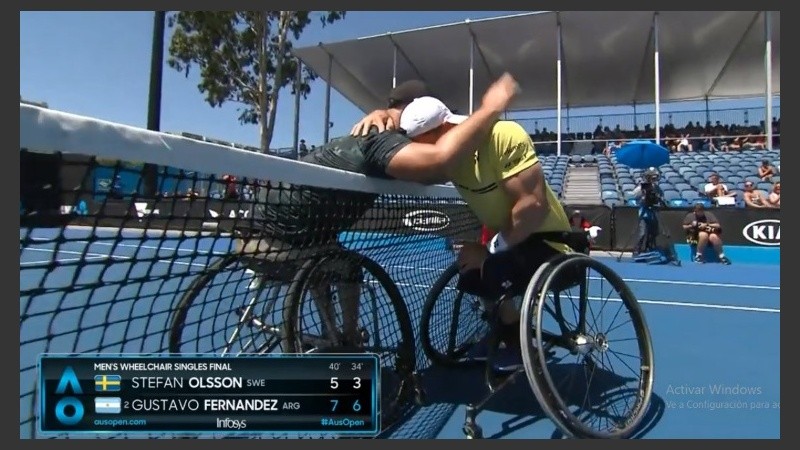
[{"x": 504, "y": 185}]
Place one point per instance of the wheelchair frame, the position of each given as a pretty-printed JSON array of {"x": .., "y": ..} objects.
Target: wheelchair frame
[{"x": 534, "y": 358}]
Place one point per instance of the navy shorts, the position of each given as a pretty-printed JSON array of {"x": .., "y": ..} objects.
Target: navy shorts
[{"x": 509, "y": 271}]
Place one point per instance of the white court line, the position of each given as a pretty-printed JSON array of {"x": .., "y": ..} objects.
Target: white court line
[
  {"x": 95, "y": 256},
  {"x": 651, "y": 302},
  {"x": 425, "y": 286},
  {"x": 432, "y": 269}
]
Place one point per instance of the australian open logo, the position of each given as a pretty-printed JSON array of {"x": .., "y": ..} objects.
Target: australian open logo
[
  {"x": 69, "y": 409},
  {"x": 763, "y": 232},
  {"x": 426, "y": 220}
]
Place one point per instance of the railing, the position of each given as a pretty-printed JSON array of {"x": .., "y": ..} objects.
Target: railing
[{"x": 587, "y": 123}]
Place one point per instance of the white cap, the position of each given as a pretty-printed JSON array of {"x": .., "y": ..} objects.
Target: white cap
[{"x": 425, "y": 114}]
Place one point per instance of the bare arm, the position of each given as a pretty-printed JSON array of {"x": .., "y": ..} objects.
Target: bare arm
[
  {"x": 432, "y": 163},
  {"x": 748, "y": 199},
  {"x": 528, "y": 194}
]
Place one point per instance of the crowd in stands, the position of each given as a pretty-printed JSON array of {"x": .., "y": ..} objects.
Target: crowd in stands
[{"x": 693, "y": 136}]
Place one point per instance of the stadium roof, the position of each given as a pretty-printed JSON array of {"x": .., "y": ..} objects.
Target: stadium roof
[{"x": 607, "y": 58}]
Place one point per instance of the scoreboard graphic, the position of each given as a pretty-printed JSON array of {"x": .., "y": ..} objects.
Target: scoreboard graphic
[{"x": 323, "y": 393}]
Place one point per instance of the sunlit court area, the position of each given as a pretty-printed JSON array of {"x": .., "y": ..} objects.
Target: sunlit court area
[{"x": 400, "y": 225}]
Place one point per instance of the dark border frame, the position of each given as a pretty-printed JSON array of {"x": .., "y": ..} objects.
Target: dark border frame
[{"x": 12, "y": 174}]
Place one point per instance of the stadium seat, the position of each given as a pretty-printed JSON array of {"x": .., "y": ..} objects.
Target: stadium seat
[
  {"x": 677, "y": 203},
  {"x": 682, "y": 187},
  {"x": 764, "y": 186},
  {"x": 671, "y": 195},
  {"x": 690, "y": 195}
]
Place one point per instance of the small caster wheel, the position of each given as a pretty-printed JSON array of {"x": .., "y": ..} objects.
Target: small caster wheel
[
  {"x": 419, "y": 397},
  {"x": 473, "y": 431}
]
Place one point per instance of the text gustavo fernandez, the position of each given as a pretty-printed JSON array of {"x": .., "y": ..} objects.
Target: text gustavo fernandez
[
  {"x": 205, "y": 404},
  {"x": 191, "y": 382}
]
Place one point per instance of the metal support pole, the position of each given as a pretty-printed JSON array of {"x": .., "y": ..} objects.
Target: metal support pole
[
  {"x": 298, "y": 81},
  {"x": 657, "y": 79},
  {"x": 558, "y": 88},
  {"x": 394, "y": 69},
  {"x": 326, "y": 132},
  {"x": 471, "y": 73},
  {"x": 768, "y": 70}
]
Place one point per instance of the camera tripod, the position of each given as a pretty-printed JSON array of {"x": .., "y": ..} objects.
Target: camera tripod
[{"x": 650, "y": 243}]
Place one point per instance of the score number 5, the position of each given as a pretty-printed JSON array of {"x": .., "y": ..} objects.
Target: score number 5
[{"x": 335, "y": 382}]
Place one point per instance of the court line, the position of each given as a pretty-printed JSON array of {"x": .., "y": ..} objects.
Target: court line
[
  {"x": 650, "y": 302},
  {"x": 433, "y": 269},
  {"x": 99, "y": 256}
]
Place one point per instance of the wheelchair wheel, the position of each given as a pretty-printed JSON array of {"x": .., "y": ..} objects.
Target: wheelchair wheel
[
  {"x": 579, "y": 390},
  {"x": 315, "y": 325},
  {"x": 228, "y": 308},
  {"x": 452, "y": 322}
]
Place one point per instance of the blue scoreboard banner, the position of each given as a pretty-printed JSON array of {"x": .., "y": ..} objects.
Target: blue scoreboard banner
[{"x": 330, "y": 394}]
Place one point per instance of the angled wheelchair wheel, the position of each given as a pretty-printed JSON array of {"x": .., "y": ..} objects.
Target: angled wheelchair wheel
[
  {"x": 228, "y": 309},
  {"x": 600, "y": 382},
  {"x": 453, "y": 322},
  {"x": 320, "y": 316}
]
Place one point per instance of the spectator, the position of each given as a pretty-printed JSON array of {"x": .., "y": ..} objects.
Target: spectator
[
  {"x": 716, "y": 190},
  {"x": 701, "y": 228},
  {"x": 765, "y": 170},
  {"x": 709, "y": 144},
  {"x": 579, "y": 223},
  {"x": 754, "y": 198},
  {"x": 303, "y": 150},
  {"x": 774, "y": 198},
  {"x": 683, "y": 144},
  {"x": 231, "y": 192}
]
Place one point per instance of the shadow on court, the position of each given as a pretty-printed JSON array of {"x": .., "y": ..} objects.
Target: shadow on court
[{"x": 609, "y": 392}]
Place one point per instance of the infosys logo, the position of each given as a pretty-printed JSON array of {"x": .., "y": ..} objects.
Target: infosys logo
[
  {"x": 763, "y": 232},
  {"x": 426, "y": 220}
]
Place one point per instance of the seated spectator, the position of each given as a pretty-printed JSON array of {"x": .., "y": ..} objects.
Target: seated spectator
[
  {"x": 684, "y": 144},
  {"x": 709, "y": 144},
  {"x": 716, "y": 190},
  {"x": 751, "y": 142},
  {"x": 765, "y": 170},
  {"x": 754, "y": 198},
  {"x": 774, "y": 198},
  {"x": 701, "y": 228},
  {"x": 579, "y": 223}
]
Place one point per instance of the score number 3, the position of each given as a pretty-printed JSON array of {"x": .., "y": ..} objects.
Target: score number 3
[{"x": 335, "y": 382}]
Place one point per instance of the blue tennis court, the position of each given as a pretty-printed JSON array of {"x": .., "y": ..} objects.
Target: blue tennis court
[{"x": 715, "y": 330}]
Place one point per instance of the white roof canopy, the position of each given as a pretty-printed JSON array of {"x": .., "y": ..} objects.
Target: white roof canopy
[{"x": 607, "y": 58}]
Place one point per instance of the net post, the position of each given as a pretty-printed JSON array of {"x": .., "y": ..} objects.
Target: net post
[
  {"x": 657, "y": 78},
  {"x": 558, "y": 86},
  {"x": 768, "y": 73}
]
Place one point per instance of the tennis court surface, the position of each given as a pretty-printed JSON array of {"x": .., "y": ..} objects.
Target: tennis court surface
[{"x": 108, "y": 281}]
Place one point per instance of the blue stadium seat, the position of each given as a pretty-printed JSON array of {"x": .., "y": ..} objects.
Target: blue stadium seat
[
  {"x": 632, "y": 202},
  {"x": 697, "y": 181},
  {"x": 753, "y": 179},
  {"x": 733, "y": 179},
  {"x": 690, "y": 195},
  {"x": 776, "y": 179},
  {"x": 682, "y": 187},
  {"x": 627, "y": 186},
  {"x": 677, "y": 203},
  {"x": 704, "y": 201},
  {"x": 671, "y": 194},
  {"x": 764, "y": 186},
  {"x": 612, "y": 202},
  {"x": 606, "y": 195}
]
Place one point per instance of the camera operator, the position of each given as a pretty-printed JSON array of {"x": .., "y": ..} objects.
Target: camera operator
[
  {"x": 650, "y": 196},
  {"x": 701, "y": 228}
]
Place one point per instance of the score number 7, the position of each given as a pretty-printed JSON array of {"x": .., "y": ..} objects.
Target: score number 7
[{"x": 335, "y": 382}]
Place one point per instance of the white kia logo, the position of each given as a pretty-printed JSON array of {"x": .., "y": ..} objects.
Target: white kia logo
[
  {"x": 763, "y": 232},
  {"x": 426, "y": 220}
]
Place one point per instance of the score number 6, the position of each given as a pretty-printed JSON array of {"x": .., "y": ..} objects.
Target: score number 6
[{"x": 335, "y": 382}]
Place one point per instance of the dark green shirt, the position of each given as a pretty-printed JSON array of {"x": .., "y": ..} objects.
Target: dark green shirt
[{"x": 312, "y": 215}]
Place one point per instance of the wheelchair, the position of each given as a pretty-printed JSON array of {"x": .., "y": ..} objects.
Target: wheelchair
[
  {"x": 559, "y": 287},
  {"x": 263, "y": 302}
]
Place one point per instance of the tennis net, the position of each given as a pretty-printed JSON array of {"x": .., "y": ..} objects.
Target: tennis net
[{"x": 105, "y": 268}]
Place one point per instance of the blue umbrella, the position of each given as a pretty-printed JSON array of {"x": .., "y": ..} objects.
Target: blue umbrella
[{"x": 642, "y": 154}]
